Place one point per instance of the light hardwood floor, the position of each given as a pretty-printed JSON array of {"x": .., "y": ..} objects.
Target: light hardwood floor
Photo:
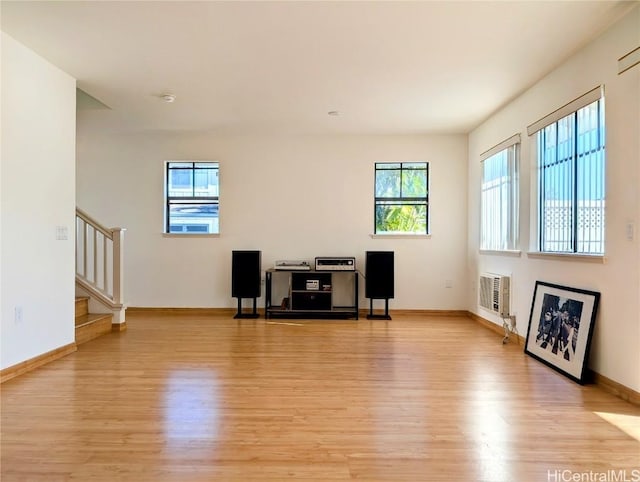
[{"x": 203, "y": 398}]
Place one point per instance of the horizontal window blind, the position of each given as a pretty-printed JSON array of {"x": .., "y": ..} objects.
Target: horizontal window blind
[
  {"x": 513, "y": 140},
  {"x": 629, "y": 60},
  {"x": 567, "y": 109}
]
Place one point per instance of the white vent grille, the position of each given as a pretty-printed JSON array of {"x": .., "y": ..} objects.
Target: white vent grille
[{"x": 494, "y": 293}]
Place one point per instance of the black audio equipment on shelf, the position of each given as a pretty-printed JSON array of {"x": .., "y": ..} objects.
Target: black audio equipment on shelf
[
  {"x": 245, "y": 279},
  {"x": 379, "y": 284},
  {"x": 312, "y": 294},
  {"x": 311, "y": 291}
]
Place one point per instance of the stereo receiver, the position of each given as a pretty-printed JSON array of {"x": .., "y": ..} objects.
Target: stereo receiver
[{"x": 335, "y": 264}]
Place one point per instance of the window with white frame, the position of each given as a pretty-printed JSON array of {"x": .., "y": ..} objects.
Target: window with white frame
[
  {"x": 499, "y": 201},
  {"x": 401, "y": 204},
  {"x": 571, "y": 177},
  {"x": 191, "y": 197}
]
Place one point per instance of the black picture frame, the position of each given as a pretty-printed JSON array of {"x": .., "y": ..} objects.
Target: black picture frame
[{"x": 561, "y": 327}]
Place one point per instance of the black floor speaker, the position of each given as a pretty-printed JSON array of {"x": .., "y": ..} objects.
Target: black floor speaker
[
  {"x": 379, "y": 283},
  {"x": 379, "y": 274},
  {"x": 245, "y": 279}
]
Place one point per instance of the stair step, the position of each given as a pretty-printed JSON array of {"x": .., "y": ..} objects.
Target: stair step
[
  {"x": 82, "y": 306},
  {"x": 89, "y": 318},
  {"x": 92, "y": 325}
]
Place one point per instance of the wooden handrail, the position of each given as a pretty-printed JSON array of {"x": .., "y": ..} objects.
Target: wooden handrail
[
  {"x": 95, "y": 244},
  {"x": 95, "y": 224}
]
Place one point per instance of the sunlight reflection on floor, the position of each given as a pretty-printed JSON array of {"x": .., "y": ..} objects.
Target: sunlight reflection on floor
[
  {"x": 630, "y": 424},
  {"x": 191, "y": 406}
]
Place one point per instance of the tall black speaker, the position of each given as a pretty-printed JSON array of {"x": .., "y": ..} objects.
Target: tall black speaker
[
  {"x": 379, "y": 283},
  {"x": 245, "y": 278},
  {"x": 379, "y": 274}
]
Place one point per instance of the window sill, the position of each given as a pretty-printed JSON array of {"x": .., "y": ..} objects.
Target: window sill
[
  {"x": 190, "y": 235},
  {"x": 399, "y": 236},
  {"x": 516, "y": 253},
  {"x": 587, "y": 258}
]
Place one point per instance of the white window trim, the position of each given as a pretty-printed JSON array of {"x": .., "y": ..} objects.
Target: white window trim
[
  {"x": 190, "y": 235},
  {"x": 400, "y": 236},
  {"x": 516, "y": 253},
  {"x": 588, "y": 258}
]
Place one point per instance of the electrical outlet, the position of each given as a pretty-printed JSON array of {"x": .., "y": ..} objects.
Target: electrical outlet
[
  {"x": 631, "y": 229},
  {"x": 17, "y": 316},
  {"x": 448, "y": 283}
]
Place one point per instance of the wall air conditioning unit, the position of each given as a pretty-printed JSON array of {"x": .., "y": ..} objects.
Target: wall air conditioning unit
[{"x": 494, "y": 293}]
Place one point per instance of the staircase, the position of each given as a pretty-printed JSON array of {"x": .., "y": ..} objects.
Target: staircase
[
  {"x": 90, "y": 325},
  {"x": 99, "y": 278}
]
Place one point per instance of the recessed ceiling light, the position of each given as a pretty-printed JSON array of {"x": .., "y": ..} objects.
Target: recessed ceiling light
[{"x": 334, "y": 113}]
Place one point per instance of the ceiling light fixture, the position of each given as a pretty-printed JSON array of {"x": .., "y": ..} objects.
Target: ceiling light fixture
[
  {"x": 334, "y": 113},
  {"x": 168, "y": 98}
]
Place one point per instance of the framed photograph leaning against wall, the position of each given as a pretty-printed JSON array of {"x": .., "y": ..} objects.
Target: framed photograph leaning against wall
[{"x": 560, "y": 328}]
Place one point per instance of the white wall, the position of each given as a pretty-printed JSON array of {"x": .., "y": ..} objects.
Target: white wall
[
  {"x": 290, "y": 197},
  {"x": 616, "y": 345},
  {"x": 298, "y": 197},
  {"x": 37, "y": 195}
]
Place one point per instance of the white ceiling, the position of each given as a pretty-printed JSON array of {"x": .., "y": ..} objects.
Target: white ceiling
[{"x": 387, "y": 67}]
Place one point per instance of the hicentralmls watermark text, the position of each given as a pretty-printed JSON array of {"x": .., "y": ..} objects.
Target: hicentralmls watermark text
[{"x": 613, "y": 475}]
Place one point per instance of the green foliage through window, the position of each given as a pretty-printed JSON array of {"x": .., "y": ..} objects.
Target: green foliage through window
[{"x": 401, "y": 197}]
